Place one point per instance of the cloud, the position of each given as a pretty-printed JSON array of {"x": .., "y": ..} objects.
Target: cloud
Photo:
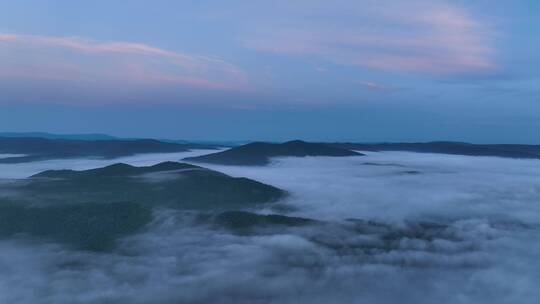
[
  {"x": 70, "y": 59},
  {"x": 448, "y": 186},
  {"x": 23, "y": 170},
  {"x": 372, "y": 85},
  {"x": 464, "y": 230},
  {"x": 419, "y": 36}
]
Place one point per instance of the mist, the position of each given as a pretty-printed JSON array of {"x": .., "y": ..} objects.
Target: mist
[
  {"x": 23, "y": 170},
  {"x": 389, "y": 227}
]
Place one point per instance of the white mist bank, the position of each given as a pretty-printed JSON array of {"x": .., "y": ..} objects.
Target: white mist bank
[
  {"x": 404, "y": 185},
  {"x": 485, "y": 251},
  {"x": 7, "y": 155},
  {"x": 23, "y": 170}
]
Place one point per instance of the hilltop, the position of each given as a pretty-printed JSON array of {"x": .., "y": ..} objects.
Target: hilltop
[
  {"x": 90, "y": 209},
  {"x": 260, "y": 153}
]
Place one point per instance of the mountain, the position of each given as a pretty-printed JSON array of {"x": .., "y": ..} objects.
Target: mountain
[
  {"x": 99, "y": 136},
  {"x": 168, "y": 184},
  {"x": 456, "y": 148},
  {"x": 244, "y": 221},
  {"x": 211, "y": 143},
  {"x": 90, "y": 209},
  {"x": 93, "y": 226},
  {"x": 88, "y": 136},
  {"x": 259, "y": 153},
  {"x": 33, "y": 149}
]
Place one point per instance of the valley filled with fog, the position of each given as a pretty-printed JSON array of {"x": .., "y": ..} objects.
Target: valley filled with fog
[{"x": 384, "y": 227}]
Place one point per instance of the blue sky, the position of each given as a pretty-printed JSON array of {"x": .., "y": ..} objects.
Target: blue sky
[{"x": 273, "y": 70}]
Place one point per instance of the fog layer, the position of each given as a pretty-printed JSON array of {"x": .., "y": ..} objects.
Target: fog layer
[{"x": 390, "y": 227}]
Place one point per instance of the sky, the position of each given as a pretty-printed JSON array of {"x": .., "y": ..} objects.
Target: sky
[{"x": 343, "y": 70}]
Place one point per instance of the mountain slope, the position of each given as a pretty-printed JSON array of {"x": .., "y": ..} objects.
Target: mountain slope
[
  {"x": 259, "y": 153},
  {"x": 90, "y": 209},
  {"x": 34, "y": 149},
  {"x": 87, "y": 136},
  {"x": 169, "y": 184}
]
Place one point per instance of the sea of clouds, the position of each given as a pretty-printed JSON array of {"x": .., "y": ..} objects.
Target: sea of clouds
[{"x": 394, "y": 227}]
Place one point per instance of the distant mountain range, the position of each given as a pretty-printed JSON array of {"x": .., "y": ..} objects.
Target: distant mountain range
[
  {"x": 99, "y": 136},
  {"x": 35, "y": 146},
  {"x": 34, "y": 149},
  {"x": 456, "y": 148},
  {"x": 89, "y": 136},
  {"x": 259, "y": 153}
]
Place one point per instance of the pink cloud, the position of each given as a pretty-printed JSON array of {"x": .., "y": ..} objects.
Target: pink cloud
[
  {"x": 425, "y": 37},
  {"x": 372, "y": 85},
  {"x": 116, "y": 61}
]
